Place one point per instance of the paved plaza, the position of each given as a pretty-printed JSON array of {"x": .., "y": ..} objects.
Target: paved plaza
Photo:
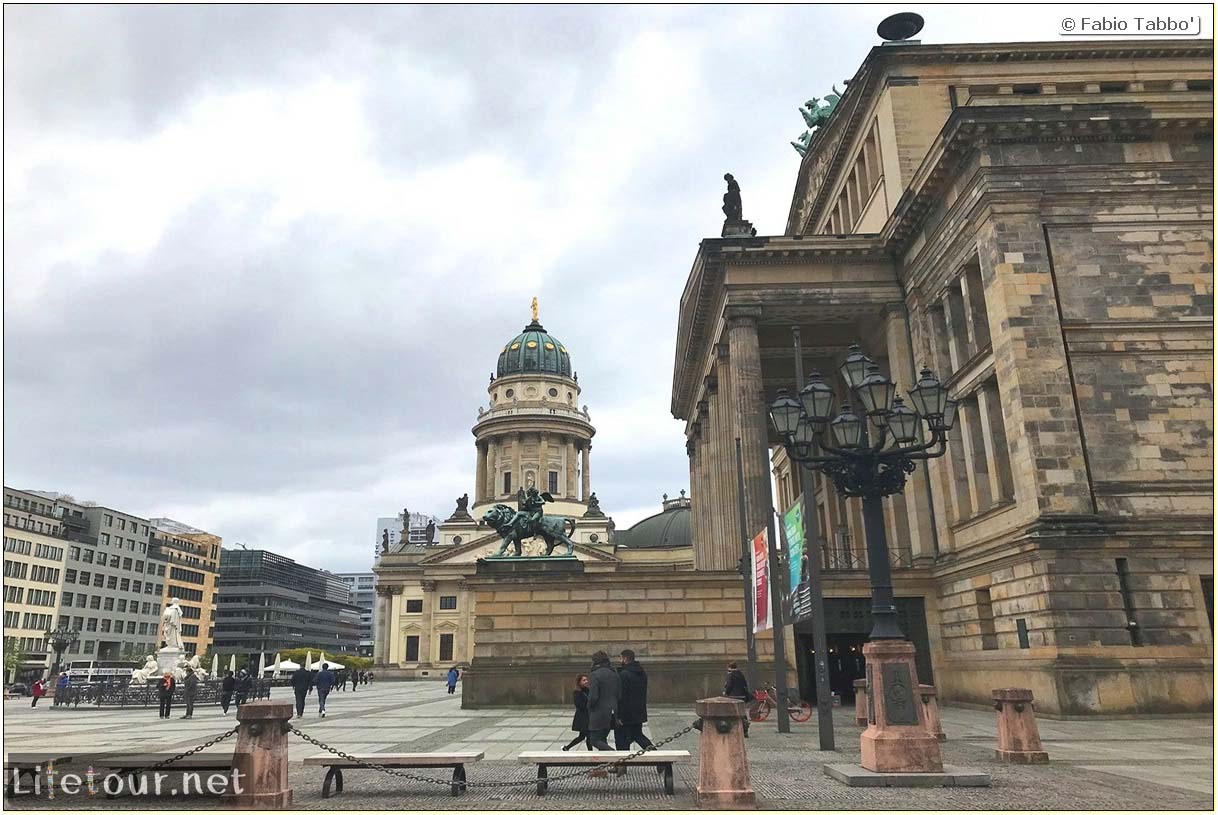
[{"x": 1151, "y": 764}]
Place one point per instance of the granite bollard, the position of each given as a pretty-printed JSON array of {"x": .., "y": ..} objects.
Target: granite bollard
[
  {"x": 860, "y": 702},
  {"x": 930, "y": 711},
  {"x": 260, "y": 760},
  {"x": 1018, "y": 737},
  {"x": 723, "y": 765}
]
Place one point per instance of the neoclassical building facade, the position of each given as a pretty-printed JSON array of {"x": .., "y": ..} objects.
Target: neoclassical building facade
[{"x": 1034, "y": 221}]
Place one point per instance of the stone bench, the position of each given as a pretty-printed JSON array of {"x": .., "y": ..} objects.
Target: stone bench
[
  {"x": 27, "y": 763},
  {"x": 336, "y": 765},
  {"x": 664, "y": 759},
  {"x": 124, "y": 766}
]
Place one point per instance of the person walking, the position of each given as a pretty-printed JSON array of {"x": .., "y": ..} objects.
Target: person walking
[
  {"x": 165, "y": 694},
  {"x": 323, "y": 683},
  {"x": 37, "y": 690},
  {"x": 737, "y": 687},
  {"x": 341, "y": 684},
  {"x": 302, "y": 682},
  {"x": 190, "y": 688},
  {"x": 245, "y": 686},
  {"x": 61, "y": 690},
  {"x": 453, "y": 676},
  {"x": 604, "y": 688},
  {"x": 632, "y": 705},
  {"x": 579, "y": 722},
  {"x": 227, "y": 686}
]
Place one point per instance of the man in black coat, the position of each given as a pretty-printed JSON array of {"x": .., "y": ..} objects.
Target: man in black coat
[
  {"x": 604, "y": 688},
  {"x": 737, "y": 687},
  {"x": 227, "y": 686},
  {"x": 190, "y": 689},
  {"x": 632, "y": 704},
  {"x": 302, "y": 683}
]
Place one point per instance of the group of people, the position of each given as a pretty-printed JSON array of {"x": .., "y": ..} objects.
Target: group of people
[
  {"x": 323, "y": 681},
  {"x": 356, "y": 678},
  {"x": 609, "y": 699}
]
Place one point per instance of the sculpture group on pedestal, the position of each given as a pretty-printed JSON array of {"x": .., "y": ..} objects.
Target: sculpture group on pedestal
[
  {"x": 529, "y": 521},
  {"x": 172, "y": 657}
]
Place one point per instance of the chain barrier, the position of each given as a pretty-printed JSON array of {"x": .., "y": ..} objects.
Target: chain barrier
[
  {"x": 448, "y": 782},
  {"x": 193, "y": 750}
]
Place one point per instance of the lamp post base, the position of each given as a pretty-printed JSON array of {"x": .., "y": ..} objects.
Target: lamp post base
[{"x": 896, "y": 739}]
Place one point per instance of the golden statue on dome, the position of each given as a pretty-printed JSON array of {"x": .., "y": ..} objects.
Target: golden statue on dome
[{"x": 534, "y": 309}]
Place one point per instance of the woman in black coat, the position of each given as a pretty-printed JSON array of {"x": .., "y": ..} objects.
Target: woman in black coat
[{"x": 580, "y": 722}]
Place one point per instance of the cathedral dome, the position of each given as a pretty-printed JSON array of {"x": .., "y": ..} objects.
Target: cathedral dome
[
  {"x": 534, "y": 351},
  {"x": 666, "y": 530}
]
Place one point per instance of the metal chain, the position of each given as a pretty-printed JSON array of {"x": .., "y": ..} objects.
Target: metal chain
[
  {"x": 447, "y": 782},
  {"x": 193, "y": 750}
]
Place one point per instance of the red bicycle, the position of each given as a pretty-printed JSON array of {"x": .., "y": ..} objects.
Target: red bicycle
[{"x": 766, "y": 700}]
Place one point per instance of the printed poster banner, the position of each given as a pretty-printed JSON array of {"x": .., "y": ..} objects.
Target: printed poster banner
[
  {"x": 793, "y": 526},
  {"x": 762, "y": 619}
]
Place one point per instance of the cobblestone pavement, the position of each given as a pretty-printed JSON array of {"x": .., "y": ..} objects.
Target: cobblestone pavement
[{"x": 1142, "y": 764}]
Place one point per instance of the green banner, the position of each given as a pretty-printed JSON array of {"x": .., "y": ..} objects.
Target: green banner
[{"x": 793, "y": 526}]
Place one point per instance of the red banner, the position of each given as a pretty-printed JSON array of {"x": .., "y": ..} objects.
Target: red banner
[{"x": 762, "y": 619}]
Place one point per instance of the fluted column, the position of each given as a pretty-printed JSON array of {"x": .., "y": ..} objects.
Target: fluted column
[
  {"x": 714, "y": 455},
  {"x": 491, "y": 485},
  {"x": 697, "y": 502},
  {"x": 480, "y": 478},
  {"x": 586, "y": 471},
  {"x": 726, "y": 502},
  {"x": 543, "y": 462},
  {"x": 749, "y": 424},
  {"x": 379, "y": 651},
  {"x": 427, "y": 635},
  {"x": 518, "y": 453}
]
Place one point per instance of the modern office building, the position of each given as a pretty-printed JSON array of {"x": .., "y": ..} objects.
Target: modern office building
[
  {"x": 190, "y": 563},
  {"x": 34, "y": 563},
  {"x": 268, "y": 603},
  {"x": 362, "y": 586}
]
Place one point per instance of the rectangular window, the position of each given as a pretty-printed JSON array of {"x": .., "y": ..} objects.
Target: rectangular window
[
  {"x": 109, "y": 604},
  {"x": 985, "y": 618},
  {"x": 553, "y": 481},
  {"x": 507, "y": 483},
  {"x": 81, "y": 600},
  {"x": 127, "y": 563},
  {"x": 99, "y": 580},
  {"x": 122, "y": 525},
  {"x": 131, "y": 627},
  {"x": 112, "y": 582},
  {"x": 89, "y": 646},
  {"x": 448, "y": 603},
  {"x": 446, "y": 647},
  {"x": 412, "y": 649},
  {"x": 91, "y": 624},
  {"x": 105, "y": 626},
  {"x": 122, "y": 606},
  {"x": 67, "y": 598},
  {"x": 95, "y": 602},
  {"x": 414, "y": 606},
  {"x": 124, "y": 585},
  {"x": 87, "y": 556},
  {"x": 105, "y": 539}
]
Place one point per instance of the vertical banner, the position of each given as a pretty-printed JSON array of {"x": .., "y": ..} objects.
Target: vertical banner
[
  {"x": 793, "y": 526},
  {"x": 762, "y": 619}
]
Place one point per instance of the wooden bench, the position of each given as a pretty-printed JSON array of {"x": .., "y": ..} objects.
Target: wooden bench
[
  {"x": 663, "y": 759},
  {"x": 129, "y": 765},
  {"x": 336, "y": 765},
  {"x": 27, "y": 763}
]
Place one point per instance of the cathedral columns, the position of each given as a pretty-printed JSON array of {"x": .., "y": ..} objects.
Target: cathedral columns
[
  {"x": 543, "y": 461},
  {"x": 586, "y": 471},
  {"x": 570, "y": 493},
  {"x": 749, "y": 420},
  {"x": 426, "y": 634},
  {"x": 698, "y": 503},
  {"x": 726, "y": 489},
  {"x": 715, "y": 461},
  {"x": 491, "y": 485},
  {"x": 518, "y": 458},
  {"x": 480, "y": 478}
]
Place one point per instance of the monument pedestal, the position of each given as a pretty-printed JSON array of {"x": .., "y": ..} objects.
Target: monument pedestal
[
  {"x": 167, "y": 659},
  {"x": 896, "y": 739}
]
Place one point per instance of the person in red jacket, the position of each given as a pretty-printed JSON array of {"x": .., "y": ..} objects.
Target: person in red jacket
[
  {"x": 37, "y": 691},
  {"x": 165, "y": 689}
]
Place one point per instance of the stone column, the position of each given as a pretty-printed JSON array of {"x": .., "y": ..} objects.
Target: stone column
[
  {"x": 586, "y": 471},
  {"x": 518, "y": 453},
  {"x": 393, "y": 637},
  {"x": 697, "y": 503},
  {"x": 426, "y": 634},
  {"x": 895, "y": 740},
  {"x": 480, "y": 478},
  {"x": 714, "y": 458},
  {"x": 463, "y": 645},
  {"x": 726, "y": 502},
  {"x": 749, "y": 425},
  {"x": 543, "y": 462},
  {"x": 571, "y": 455},
  {"x": 379, "y": 650},
  {"x": 492, "y": 470},
  {"x": 1018, "y": 736}
]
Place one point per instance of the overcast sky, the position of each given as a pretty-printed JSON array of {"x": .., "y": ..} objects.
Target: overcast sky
[{"x": 260, "y": 260}]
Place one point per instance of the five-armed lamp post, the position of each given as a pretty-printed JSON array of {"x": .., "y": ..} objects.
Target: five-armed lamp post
[
  {"x": 869, "y": 456},
  {"x": 60, "y": 639}
]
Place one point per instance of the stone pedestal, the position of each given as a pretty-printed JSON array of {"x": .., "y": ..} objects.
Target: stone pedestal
[
  {"x": 167, "y": 659},
  {"x": 738, "y": 229},
  {"x": 896, "y": 740},
  {"x": 860, "y": 702},
  {"x": 723, "y": 765},
  {"x": 261, "y": 756},
  {"x": 1018, "y": 737},
  {"x": 930, "y": 711}
]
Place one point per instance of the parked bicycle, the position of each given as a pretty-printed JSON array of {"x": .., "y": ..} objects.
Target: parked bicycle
[{"x": 766, "y": 700}]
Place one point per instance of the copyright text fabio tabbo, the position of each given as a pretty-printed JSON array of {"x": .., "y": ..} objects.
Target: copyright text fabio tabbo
[{"x": 1131, "y": 24}]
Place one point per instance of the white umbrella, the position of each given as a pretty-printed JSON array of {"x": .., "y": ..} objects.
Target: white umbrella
[
  {"x": 276, "y": 667},
  {"x": 232, "y": 664},
  {"x": 261, "y": 663},
  {"x": 328, "y": 663},
  {"x": 215, "y": 666},
  {"x": 308, "y": 660},
  {"x": 286, "y": 665}
]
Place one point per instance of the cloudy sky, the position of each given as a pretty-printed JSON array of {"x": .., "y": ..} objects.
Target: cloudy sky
[{"x": 259, "y": 261}]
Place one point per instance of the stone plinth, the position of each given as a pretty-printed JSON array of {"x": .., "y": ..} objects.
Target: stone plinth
[
  {"x": 167, "y": 659},
  {"x": 853, "y": 775},
  {"x": 261, "y": 756},
  {"x": 896, "y": 740},
  {"x": 530, "y": 565},
  {"x": 860, "y": 702},
  {"x": 1018, "y": 737},
  {"x": 929, "y": 698},
  {"x": 723, "y": 764}
]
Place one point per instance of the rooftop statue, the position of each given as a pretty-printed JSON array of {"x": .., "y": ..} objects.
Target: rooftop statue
[
  {"x": 733, "y": 209},
  {"x": 385, "y": 540},
  {"x": 815, "y": 115},
  {"x": 534, "y": 309}
]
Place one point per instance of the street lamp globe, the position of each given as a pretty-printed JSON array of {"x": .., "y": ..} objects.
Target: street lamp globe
[
  {"x": 854, "y": 369},
  {"x": 929, "y": 397},
  {"x": 903, "y": 422},
  {"x": 847, "y": 428},
  {"x": 817, "y": 398},
  {"x": 875, "y": 391},
  {"x": 785, "y": 412}
]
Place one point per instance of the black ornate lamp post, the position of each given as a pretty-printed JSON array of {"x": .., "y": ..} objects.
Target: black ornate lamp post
[
  {"x": 60, "y": 639},
  {"x": 868, "y": 455}
]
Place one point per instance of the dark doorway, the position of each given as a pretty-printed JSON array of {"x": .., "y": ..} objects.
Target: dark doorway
[{"x": 848, "y": 622}]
